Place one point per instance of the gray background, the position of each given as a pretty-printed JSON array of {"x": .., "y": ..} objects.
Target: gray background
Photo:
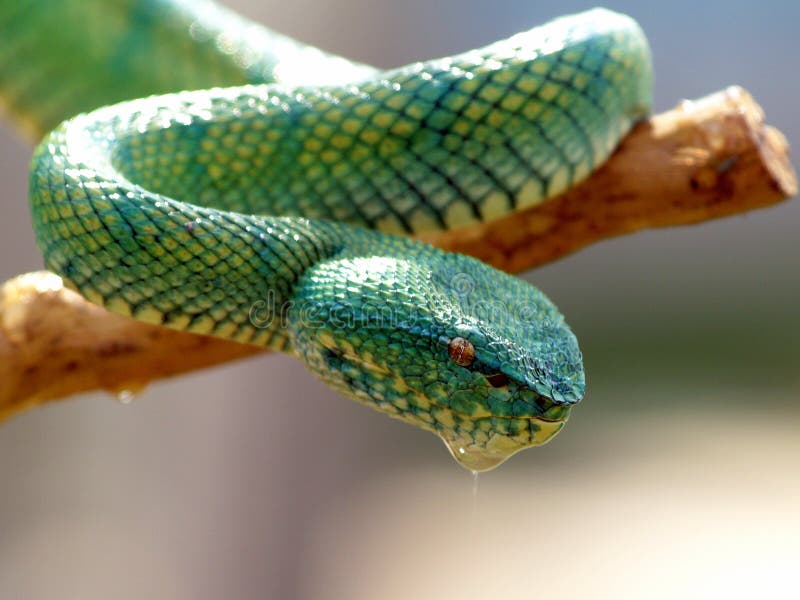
[{"x": 678, "y": 475}]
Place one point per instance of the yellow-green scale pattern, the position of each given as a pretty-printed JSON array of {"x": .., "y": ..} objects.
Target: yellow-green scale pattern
[
  {"x": 238, "y": 213},
  {"x": 436, "y": 145}
]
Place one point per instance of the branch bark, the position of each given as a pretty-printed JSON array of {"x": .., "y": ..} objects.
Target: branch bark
[
  {"x": 54, "y": 344},
  {"x": 702, "y": 160}
]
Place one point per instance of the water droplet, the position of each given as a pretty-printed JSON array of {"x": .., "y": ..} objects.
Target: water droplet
[
  {"x": 125, "y": 396},
  {"x": 474, "y": 514},
  {"x": 473, "y": 458},
  {"x": 126, "y": 393}
]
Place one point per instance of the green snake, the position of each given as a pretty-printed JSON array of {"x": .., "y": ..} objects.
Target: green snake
[{"x": 268, "y": 213}]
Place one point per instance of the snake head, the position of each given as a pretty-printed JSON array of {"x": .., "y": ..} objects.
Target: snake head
[{"x": 442, "y": 341}]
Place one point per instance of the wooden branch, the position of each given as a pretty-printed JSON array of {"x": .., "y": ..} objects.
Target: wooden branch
[
  {"x": 53, "y": 344},
  {"x": 701, "y": 160}
]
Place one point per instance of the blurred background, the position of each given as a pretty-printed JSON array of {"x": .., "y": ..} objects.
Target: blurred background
[{"x": 677, "y": 477}]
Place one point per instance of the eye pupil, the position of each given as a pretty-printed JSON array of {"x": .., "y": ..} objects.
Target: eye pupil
[
  {"x": 461, "y": 351},
  {"x": 497, "y": 380}
]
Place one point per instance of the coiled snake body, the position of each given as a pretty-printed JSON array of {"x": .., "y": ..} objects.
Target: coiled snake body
[{"x": 266, "y": 213}]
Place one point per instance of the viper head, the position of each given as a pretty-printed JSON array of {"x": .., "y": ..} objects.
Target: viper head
[{"x": 443, "y": 341}]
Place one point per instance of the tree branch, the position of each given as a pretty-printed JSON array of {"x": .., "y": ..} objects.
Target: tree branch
[
  {"x": 53, "y": 344},
  {"x": 702, "y": 160}
]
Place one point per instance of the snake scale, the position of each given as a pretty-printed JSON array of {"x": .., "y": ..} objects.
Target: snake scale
[{"x": 264, "y": 206}]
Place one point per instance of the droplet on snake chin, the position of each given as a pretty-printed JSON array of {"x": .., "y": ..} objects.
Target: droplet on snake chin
[{"x": 472, "y": 458}]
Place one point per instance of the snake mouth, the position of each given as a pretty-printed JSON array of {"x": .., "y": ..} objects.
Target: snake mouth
[
  {"x": 477, "y": 454},
  {"x": 478, "y": 437},
  {"x": 500, "y": 404}
]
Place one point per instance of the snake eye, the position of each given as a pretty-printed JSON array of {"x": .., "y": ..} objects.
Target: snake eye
[
  {"x": 497, "y": 380},
  {"x": 461, "y": 351}
]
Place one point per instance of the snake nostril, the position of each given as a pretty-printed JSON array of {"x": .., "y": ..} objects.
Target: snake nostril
[
  {"x": 332, "y": 355},
  {"x": 497, "y": 380}
]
